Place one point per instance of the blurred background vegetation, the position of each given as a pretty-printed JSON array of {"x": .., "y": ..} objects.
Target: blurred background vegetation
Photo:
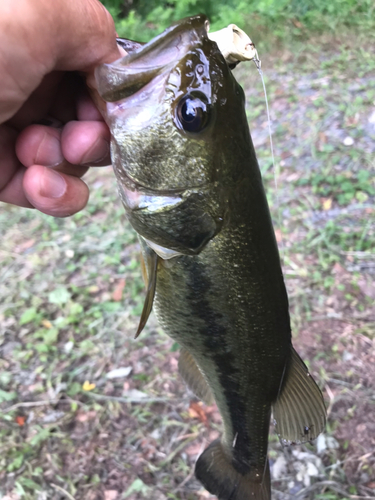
[
  {"x": 86, "y": 412},
  {"x": 284, "y": 19}
]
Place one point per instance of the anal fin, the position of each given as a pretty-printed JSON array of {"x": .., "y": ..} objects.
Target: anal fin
[
  {"x": 215, "y": 470},
  {"x": 193, "y": 377},
  {"x": 299, "y": 412},
  {"x": 149, "y": 265}
]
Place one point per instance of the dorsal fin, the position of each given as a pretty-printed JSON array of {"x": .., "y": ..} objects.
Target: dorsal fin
[
  {"x": 299, "y": 412},
  {"x": 149, "y": 270}
]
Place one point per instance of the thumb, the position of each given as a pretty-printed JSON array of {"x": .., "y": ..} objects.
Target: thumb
[
  {"x": 85, "y": 35},
  {"x": 40, "y": 36}
]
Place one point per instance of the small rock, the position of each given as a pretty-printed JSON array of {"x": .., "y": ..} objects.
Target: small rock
[
  {"x": 312, "y": 470},
  {"x": 294, "y": 487},
  {"x": 68, "y": 346},
  {"x": 302, "y": 475},
  {"x": 321, "y": 444},
  {"x": 332, "y": 443},
  {"x": 135, "y": 395},
  {"x": 155, "y": 434},
  {"x": 324, "y": 443},
  {"x": 52, "y": 417},
  {"x": 348, "y": 141},
  {"x": 371, "y": 118},
  {"x": 347, "y": 356},
  {"x": 119, "y": 372},
  {"x": 279, "y": 468}
]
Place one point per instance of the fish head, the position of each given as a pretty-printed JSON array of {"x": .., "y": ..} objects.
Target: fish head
[{"x": 177, "y": 121}]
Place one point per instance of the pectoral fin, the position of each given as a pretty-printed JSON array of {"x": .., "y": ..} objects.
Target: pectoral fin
[
  {"x": 193, "y": 377},
  {"x": 149, "y": 266},
  {"x": 299, "y": 412}
]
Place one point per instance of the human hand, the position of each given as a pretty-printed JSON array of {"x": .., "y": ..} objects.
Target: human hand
[{"x": 50, "y": 129}]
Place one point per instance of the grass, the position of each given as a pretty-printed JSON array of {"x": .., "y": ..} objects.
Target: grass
[
  {"x": 269, "y": 21},
  {"x": 71, "y": 294}
]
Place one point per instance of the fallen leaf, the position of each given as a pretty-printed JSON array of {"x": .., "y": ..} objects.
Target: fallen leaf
[
  {"x": 297, "y": 24},
  {"x": 196, "y": 410},
  {"x": 338, "y": 269},
  {"x": 213, "y": 414},
  {"x": 327, "y": 204},
  {"x": 26, "y": 245},
  {"x": 203, "y": 495},
  {"x": 20, "y": 420},
  {"x": 213, "y": 435},
  {"x": 287, "y": 154},
  {"x": 279, "y": 236},
  {"x": 35, "y": 387},
  {"x": 59, "y": 296},
  {"x": 110, "y": 495},
  {"x": 84, "y": 417},
  {"x": 367, "y": 287},
  {"x": 322, "y": 137},
  {"x": 174, "y": 363},
  {"x": 87, "y": 386},
  {"x": 117, "y": 294},
  {"x": 194, "y": 449}
]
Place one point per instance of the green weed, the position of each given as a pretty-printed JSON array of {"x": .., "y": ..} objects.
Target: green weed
[
  {"x": 141, "y": 20},
  {"x": 342, "y": 187}
]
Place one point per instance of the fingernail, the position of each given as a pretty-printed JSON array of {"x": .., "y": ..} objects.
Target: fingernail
[
  {"x": 98, "y": 151},
  {"x": 52, "y": 184},
  {"x": 49, "y": 153}
]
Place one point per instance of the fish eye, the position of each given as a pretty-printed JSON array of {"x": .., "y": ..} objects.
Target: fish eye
[{"x": 192, "y": 112}]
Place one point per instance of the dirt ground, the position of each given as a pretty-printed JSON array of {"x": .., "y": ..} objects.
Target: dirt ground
[{"x": 71, "y": 294}]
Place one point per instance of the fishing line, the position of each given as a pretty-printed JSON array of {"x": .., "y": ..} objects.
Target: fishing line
[{"x": 276, "y": 171}]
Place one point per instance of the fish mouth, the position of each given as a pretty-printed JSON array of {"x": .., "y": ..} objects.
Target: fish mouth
[{"x": 128, "y": 75}]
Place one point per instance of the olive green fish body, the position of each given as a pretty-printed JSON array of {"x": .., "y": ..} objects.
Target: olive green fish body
[
  {"x": 227, "y": 309},
  {"x": 191, "y": 186}
]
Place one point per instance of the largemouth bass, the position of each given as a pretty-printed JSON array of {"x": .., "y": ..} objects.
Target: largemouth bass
[{"x": 191, "y": 186}]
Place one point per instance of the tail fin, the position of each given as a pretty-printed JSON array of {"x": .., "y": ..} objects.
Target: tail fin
[{"x": 217, "y": 474}]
